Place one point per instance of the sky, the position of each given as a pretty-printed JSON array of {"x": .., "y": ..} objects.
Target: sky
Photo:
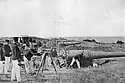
[{"x": 61, "y": 18}]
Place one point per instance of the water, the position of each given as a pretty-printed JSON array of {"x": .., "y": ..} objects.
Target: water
[{"x": 99, "y": 39}]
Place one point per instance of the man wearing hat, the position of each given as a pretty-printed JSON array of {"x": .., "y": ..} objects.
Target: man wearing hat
[
  {"x": 16, "y": 57},
  {"x": 2, "y": 59},
  {"x": 7, "y": 54},
  {"x": 28, "y": 58}
]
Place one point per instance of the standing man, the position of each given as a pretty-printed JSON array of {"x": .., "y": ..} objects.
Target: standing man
[
  {"x": 39, "y": 47},
  {"x": 16, "y": 57},
  {"x": 7, "y": 54},
  {"x": 54, "y": 54},
  {"x": 26, "y": 61},
  {"x": 30, "y": 52},
  {"x": 2, "y": 59}
]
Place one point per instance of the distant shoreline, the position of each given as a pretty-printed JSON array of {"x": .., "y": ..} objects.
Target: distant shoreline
[
  {"x": 99, "y": 39},
  {"x": 102, "y": 39}
]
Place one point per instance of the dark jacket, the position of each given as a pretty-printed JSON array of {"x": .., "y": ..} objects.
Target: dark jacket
[
  {"x": 54, "y": 53},
  {"x": 16, "y": 54},
  {"x": 30, "y": 53},
  {"x": 2, "y": 58},
  {"x": 6, "y": 50},
  {"x": 79, "y": 57}
]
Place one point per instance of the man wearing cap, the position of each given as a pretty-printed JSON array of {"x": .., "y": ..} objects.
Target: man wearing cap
[
  {"x": 26, "y": 61},
  {"x": 7, "y": 54},
  {"x": 31, "y": 51},
  {"x": 16, "y": 57},
  {"x": 2, "y": 59}
]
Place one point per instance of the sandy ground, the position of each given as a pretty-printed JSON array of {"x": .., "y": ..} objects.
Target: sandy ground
[{"x": 112, "y": 72}]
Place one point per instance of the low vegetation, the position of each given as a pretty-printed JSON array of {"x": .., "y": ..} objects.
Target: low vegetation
[{"x": 107, "y": 72}]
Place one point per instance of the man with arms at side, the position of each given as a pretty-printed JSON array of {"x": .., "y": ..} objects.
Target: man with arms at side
[
  {"x": 16, "y": 57},
  {"x": 7, "y": 54},
  {"x": 2, "y": 59}
]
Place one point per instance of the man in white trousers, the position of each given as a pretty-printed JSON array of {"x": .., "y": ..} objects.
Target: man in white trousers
[
  {"x": 26, "y": 61},
  {"x": 77, "y": 59},
  {"x": 2, "y": 59},
  {"x": 16, "y": 57},
  {"x": 31, "y": 51},
  {"x": 7, "y": 54}
]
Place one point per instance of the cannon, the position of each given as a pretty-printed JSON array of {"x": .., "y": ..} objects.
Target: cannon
[{"x": 88, "y": 58}]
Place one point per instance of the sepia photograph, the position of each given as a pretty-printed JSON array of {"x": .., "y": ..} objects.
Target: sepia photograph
[{"x": 62, "y": 41}]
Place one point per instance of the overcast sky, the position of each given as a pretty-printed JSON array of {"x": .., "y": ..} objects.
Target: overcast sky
[{"x": 54, "y": 18}]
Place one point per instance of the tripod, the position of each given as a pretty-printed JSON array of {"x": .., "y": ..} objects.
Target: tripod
[{"x": 43, "y": 60}]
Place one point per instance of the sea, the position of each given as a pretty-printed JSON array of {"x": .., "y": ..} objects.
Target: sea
[{"x": 103, "y": 39}]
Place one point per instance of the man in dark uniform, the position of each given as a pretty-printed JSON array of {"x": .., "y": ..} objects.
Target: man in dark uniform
[
  {"x": 16, "y": 57},
  {"x": 54, "y": 52},
  {"x": 54, "y": 55},
  {"x": 7, "y": 53},
  {"x": 2, "y": 59},
  {"x": 31, "y": 51}
]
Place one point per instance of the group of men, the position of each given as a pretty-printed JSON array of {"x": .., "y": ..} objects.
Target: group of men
[
  {"x": 11, "y": 57},
  {"x": 12, "y": 54}
]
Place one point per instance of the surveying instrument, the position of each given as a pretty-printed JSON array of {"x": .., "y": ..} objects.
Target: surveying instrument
[{"x": 46, "y": 53}]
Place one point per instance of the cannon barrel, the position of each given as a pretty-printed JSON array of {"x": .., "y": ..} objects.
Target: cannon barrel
[
  {"x": 108, "y": 55},
  {"x": 96, "y": 54}
]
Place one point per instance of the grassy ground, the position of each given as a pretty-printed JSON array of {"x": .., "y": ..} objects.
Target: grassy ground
[{"x": 112, "y": 72}]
